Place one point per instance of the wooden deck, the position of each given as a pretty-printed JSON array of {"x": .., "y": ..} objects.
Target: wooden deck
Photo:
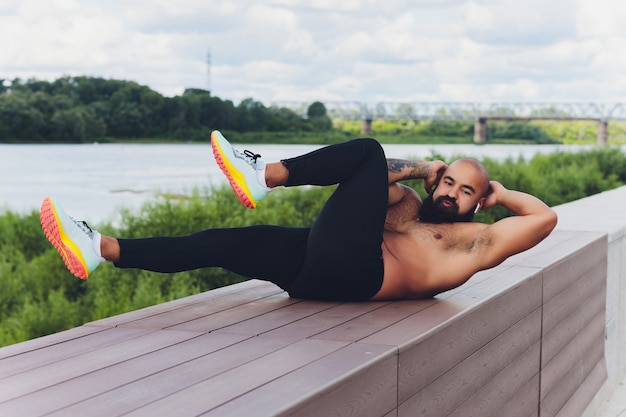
[{"x": 523, "y": 339}]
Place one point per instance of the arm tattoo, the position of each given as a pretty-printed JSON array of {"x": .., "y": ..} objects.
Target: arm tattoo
[{"x": 411, "y": 170}]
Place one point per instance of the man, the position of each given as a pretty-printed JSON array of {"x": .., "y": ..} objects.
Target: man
[{"x": 374, "y": 239}]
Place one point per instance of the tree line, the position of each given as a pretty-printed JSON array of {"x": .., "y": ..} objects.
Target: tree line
[{"x": 84, "y": 109}]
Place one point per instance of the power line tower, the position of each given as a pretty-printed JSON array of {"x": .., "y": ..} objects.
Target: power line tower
[{"x": 208, "y": 69}]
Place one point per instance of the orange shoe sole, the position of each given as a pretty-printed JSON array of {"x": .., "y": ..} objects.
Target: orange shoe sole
[
  {"x": 53, "y": 230},
  {"x": 239, "y": 191}
]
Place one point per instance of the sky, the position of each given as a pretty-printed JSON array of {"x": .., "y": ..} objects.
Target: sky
[{"x": 367, "y": 51}]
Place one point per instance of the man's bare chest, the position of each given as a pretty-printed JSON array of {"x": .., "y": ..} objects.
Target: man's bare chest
[{"x": 449, "y": 237}]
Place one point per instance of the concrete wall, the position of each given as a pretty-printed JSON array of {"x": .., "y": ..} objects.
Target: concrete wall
[{"x": 605, "y": 212}]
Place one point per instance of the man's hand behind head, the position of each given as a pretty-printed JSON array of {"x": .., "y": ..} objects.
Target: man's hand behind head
[
  {"x": 437, "y": 168},
  {"x": 495, "y": 191}
]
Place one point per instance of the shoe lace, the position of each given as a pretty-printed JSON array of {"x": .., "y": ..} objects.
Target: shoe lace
[
  {"x": 251, "y": 154},
  {"x": 250, "y": 157},
  {"x": 83, "y": 226}
]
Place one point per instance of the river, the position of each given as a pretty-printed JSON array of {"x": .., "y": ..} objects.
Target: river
[{"x": 93, "y": 181}]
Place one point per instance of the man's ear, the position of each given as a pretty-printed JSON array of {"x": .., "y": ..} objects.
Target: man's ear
[{"x": 479, "y": 205}]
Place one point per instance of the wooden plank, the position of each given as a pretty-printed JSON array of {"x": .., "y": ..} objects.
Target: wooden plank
[
  {"x": 499, "y": 391},
  {"x": 59, "y": 396},
  {"x": 564, "y": 273},
  {"x": 211, "y": 296},
  {"x": 563, "y": 304},
  {"x": 46, "y": 341},
  {"x": 541, "y": 256},
  {"x": 392, "y": 313},
  {"x": 282, "y": 317},
  {"x": 214, "y": 392},
  {"x": 590, "y": 339},
  {"x": 440, "y": 395},
  {"x": 584, "y": 216},
  {"x": 357, "y": 380},
  {"x": 58, "y": 372},
  {"x": 435, "y": 355},
  {"x": 477, "y": 278},
  {"x": 524, "y": 399},
  {"x": 414, "y": 329},
  {"x": 392, "y": 413},
  {"x": 160, "y": 385},
  {"x": 550, "y": 243},
  {"x": 61, "y": 351},
  {"x": 583, "y": 310},
  {"x": 376, "y": 320},
  {"x": 411, "y": 330},
  {"x": 342, "y": 315},
  {"x": 552, "y": 404},
  {"x": 566, "y": 372},
  {"x": 236, "y": 314},
  {"x": 224, "y": 304},
  {"x": 508, "y": 277},
  {"x": 578, "y": 403}
]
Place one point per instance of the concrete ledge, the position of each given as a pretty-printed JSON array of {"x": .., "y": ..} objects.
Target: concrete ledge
[{"x": 525, "y": 338}]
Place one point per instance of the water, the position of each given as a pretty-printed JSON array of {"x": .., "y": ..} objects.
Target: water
[{"x": 94, "y": 181}]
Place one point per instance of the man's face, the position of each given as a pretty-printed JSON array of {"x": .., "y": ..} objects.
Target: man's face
[{"x": 460, "y": 189}]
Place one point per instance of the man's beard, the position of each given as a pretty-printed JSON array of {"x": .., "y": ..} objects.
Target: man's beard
[{"x": 433, "y": 211}]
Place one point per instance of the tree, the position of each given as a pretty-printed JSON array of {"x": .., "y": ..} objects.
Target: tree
[
  {"x": 4, "y": 86},
  {"x": 68, "y": 125},
  {"x": 126, "y": 121},
  {"x": 318, "y": 121},
  {"x": 316, "y": 109},
  {"x": 90, "y": 89},
  {"x": 20, "y": 120},
  {"x": 86, "y": 108},
  {"x": 251, "y": 115}
]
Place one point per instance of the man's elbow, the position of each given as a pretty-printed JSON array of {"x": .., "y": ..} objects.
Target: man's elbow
[
  {"x": 551, "y": 220},
  {"x": 544, "y": 224}
]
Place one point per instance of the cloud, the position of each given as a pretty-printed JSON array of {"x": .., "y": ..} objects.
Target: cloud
[
  {"x": 528, "y": 23},
  {"x": 352, "y": 50},
  {"x": 599, "y": 18}
]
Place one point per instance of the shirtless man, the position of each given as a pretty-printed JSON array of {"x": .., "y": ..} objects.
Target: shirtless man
[
  {"x": 374, "y": 239},
  {"x": 450, "y": 253}
]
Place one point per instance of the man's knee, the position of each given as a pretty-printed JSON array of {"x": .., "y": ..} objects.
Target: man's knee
[{"x": 371, "y": 145}]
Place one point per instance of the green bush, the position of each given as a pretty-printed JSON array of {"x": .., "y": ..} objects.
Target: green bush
[{"x": 518, "y": 130}]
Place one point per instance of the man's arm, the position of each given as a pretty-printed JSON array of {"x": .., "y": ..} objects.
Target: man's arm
[
  {"x": 429, "y": 171},
  {"x": 404, "y": 202},
  {"x": 533, "y": 222}
]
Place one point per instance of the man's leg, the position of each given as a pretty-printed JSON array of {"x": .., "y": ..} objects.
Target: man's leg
[
  {"x": 344, "y": 255},
  {"x": 344, "y": 242},
  {"x": 343, "y": 259},
  {"x": 346, "y": 235},
  {"x": 270, "y": 253}
]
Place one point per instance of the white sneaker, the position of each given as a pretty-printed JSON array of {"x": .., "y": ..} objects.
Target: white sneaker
[
  {"x": 74, "y": 240},
  {"x": 241, "y": 169}
]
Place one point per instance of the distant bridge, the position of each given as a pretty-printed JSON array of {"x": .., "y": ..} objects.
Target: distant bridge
[{"x": 479, "y": 112}]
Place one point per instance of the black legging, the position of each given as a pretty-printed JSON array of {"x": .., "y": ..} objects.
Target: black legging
[{"x": 338, "y": 258}]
